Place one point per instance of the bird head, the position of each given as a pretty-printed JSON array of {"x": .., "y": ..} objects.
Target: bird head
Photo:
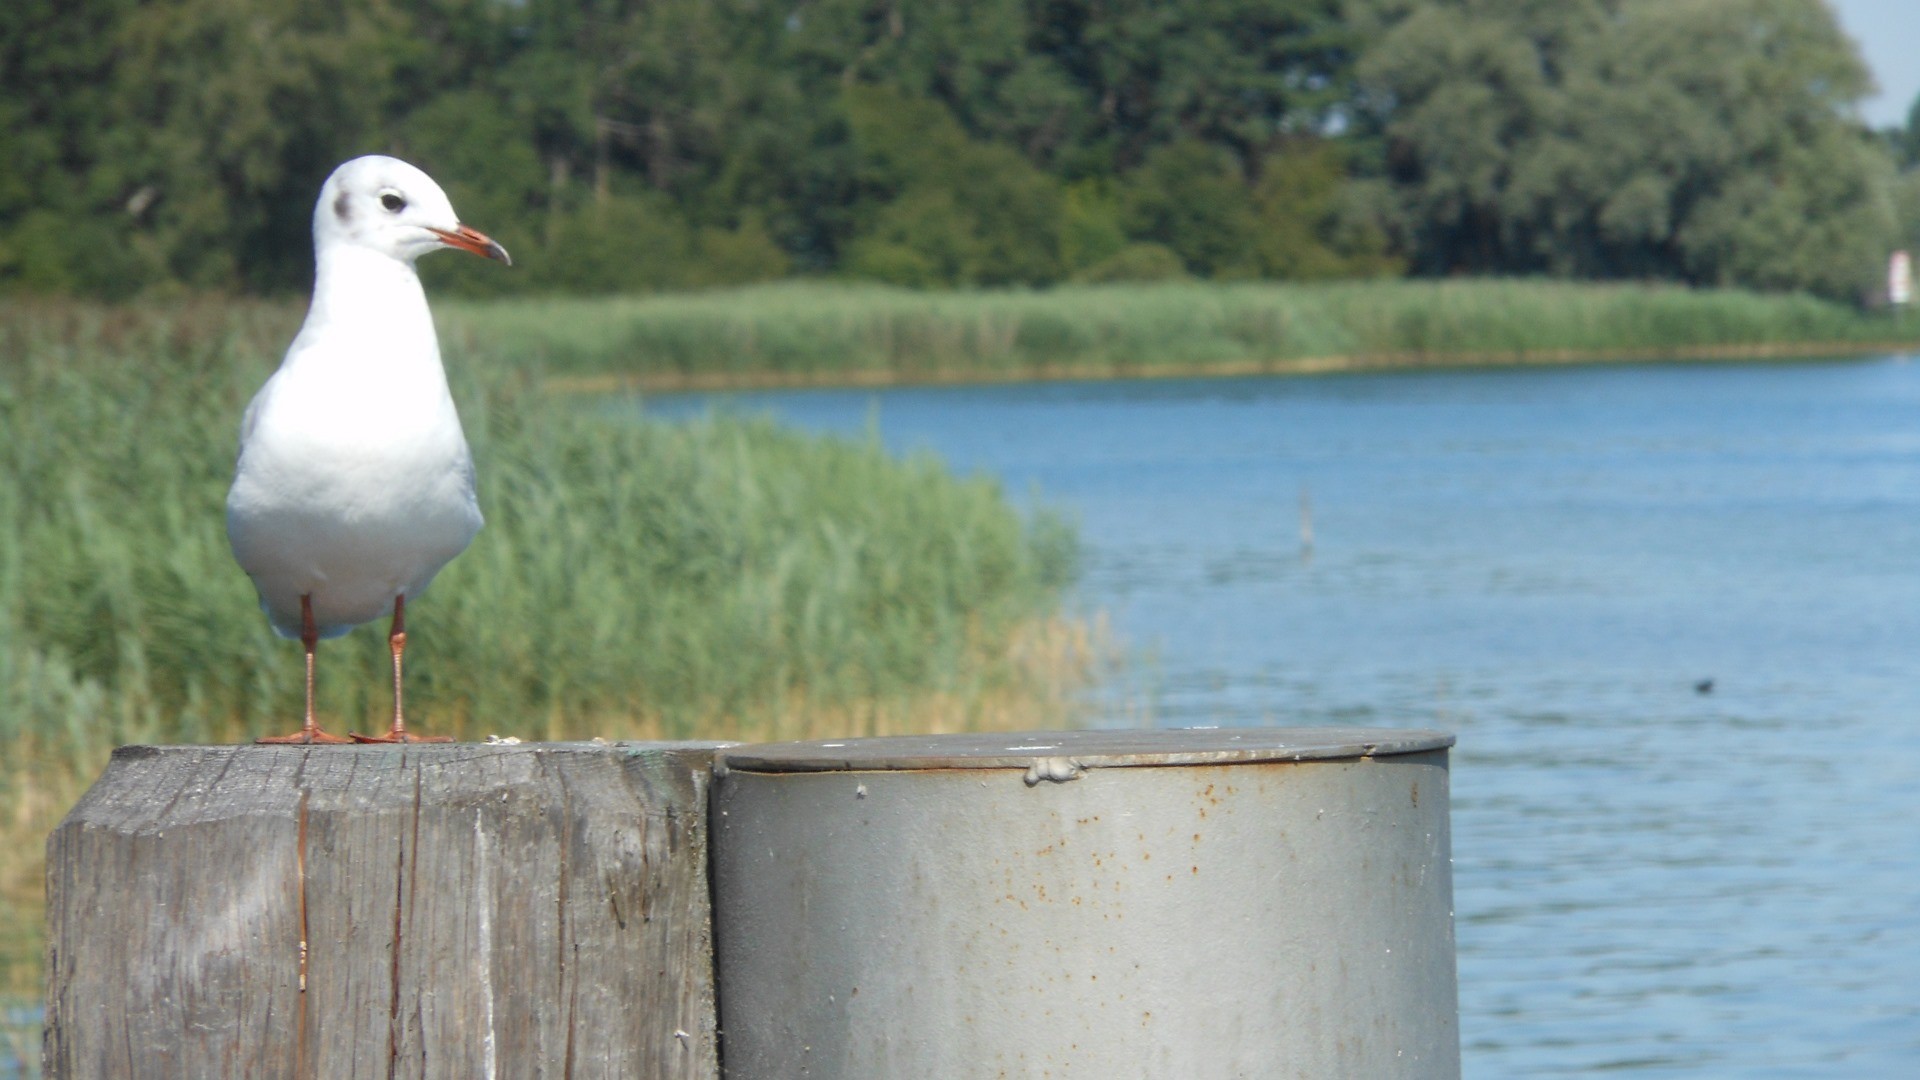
[{"x": 392, "y": 207}]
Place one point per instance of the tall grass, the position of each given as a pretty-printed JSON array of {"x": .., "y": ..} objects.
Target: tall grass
[
  {"x": 723, "y": 579},
  {"x": 800, "y": 332}
]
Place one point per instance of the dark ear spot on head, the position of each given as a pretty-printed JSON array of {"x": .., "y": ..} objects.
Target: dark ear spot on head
[{"x": 343, "y": 208}]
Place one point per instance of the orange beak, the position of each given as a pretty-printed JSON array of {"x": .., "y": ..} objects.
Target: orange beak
[{"x": 475, "y": 241}]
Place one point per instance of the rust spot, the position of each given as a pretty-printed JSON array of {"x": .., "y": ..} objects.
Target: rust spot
[
  {"x": 1196, "y": 870},
  {"x": 1416, "y": 793}
]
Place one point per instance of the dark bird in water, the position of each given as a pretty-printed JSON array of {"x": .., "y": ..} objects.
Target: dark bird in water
[{"x": 1704, "y": 686}]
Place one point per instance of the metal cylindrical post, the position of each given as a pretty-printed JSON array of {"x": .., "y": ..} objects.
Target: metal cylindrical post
[{"x": 1095, "y": 905}]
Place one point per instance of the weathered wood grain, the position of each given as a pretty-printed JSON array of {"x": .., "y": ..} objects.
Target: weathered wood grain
[{"x": 394, "y": 912}]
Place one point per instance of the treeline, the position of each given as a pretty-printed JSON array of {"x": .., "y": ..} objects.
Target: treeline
[{"x": 619, "y": 145}]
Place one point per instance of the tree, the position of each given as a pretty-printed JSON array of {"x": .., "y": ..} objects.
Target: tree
[
  {"x": 1238, "y": 74},
  {"x": 64, "y": 213},
  {"x": 1704, "y": 140},
  {"x": 948, "y": 209},
  {"x": 666, "y": 143},
  {"x": 227, "y": 114},
  {"x": 1311, "y": 221},
  {"x": 1192, "y": 197},
  {"x": 1464, "y": 91}
]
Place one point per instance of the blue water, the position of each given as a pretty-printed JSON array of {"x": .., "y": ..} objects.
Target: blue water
[{"x": 1648, "y": 878}]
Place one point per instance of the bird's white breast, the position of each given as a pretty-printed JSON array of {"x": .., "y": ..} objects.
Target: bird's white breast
[{"x": 354, "y": 482}]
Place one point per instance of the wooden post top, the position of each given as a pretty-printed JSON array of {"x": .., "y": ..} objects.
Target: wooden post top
[{"x": 453, "y": 911}]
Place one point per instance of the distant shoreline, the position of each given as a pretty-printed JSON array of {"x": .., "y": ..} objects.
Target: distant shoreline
[
  {"x": 674, "y": 382},
  {"x": 823, "y": 334}
]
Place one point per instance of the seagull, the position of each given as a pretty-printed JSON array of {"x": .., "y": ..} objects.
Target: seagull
[{"x": 354, "y": 485}]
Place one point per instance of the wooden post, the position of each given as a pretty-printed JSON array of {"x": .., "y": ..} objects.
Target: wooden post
[{"x": 385, "y": 911}]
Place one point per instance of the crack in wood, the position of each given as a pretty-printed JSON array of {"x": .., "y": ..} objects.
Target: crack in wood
[
  {"x": 570, "y": 993},
  {"x": 402, "y": 899},
  {"x": 300, "y": 885}
]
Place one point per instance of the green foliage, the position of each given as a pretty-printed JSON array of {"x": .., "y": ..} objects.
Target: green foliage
[
  {"x": 812, "y": 332},
  {"x": 1295, "y": 222},
  {"x": 1906, "y": 208},
  {"x": 1310, "y": 223},
  {"x": 622, "y": 244},
  {"x": 1700, "y": 139},
  {"x": 204, "y": 124},
  {"x": 952, "y": 210},
  {"x": 1904, "y": 142},
  {"x": 621, "y": 145},
  {"x": 1090, "y": 228},
  {"x": 63, "y": 224},
  {"x": 931, "y": 142},
  {"x": 1136, "y": 262},
  {"x": 736, "y": 256},
  {"x": 1191, "y": 197}
]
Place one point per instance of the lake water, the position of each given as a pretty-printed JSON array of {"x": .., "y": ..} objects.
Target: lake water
[{"x": 1550, "y": 563}]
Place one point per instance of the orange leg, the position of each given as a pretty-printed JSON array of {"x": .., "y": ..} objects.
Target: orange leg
[
  {"x": 309, "y": 731},
  {"x": 397, "y": 641}
]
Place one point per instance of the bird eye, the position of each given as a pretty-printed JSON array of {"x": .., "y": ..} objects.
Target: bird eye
[{"x": 392, "y": 202}]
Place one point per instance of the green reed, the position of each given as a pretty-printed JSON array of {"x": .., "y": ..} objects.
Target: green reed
[
  {"x": 822, "y": 330},
  {"x": 628, "y": 568}
]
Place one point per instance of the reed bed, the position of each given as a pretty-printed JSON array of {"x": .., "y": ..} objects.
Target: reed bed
[
  {"x": 801, "y": 332},
  {"x": 722, "y": 579}
]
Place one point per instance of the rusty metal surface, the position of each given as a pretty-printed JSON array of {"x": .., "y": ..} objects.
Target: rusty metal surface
[
  {"x": 1256, "y": 918},
  {"x": 1086, "y": 749}
]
